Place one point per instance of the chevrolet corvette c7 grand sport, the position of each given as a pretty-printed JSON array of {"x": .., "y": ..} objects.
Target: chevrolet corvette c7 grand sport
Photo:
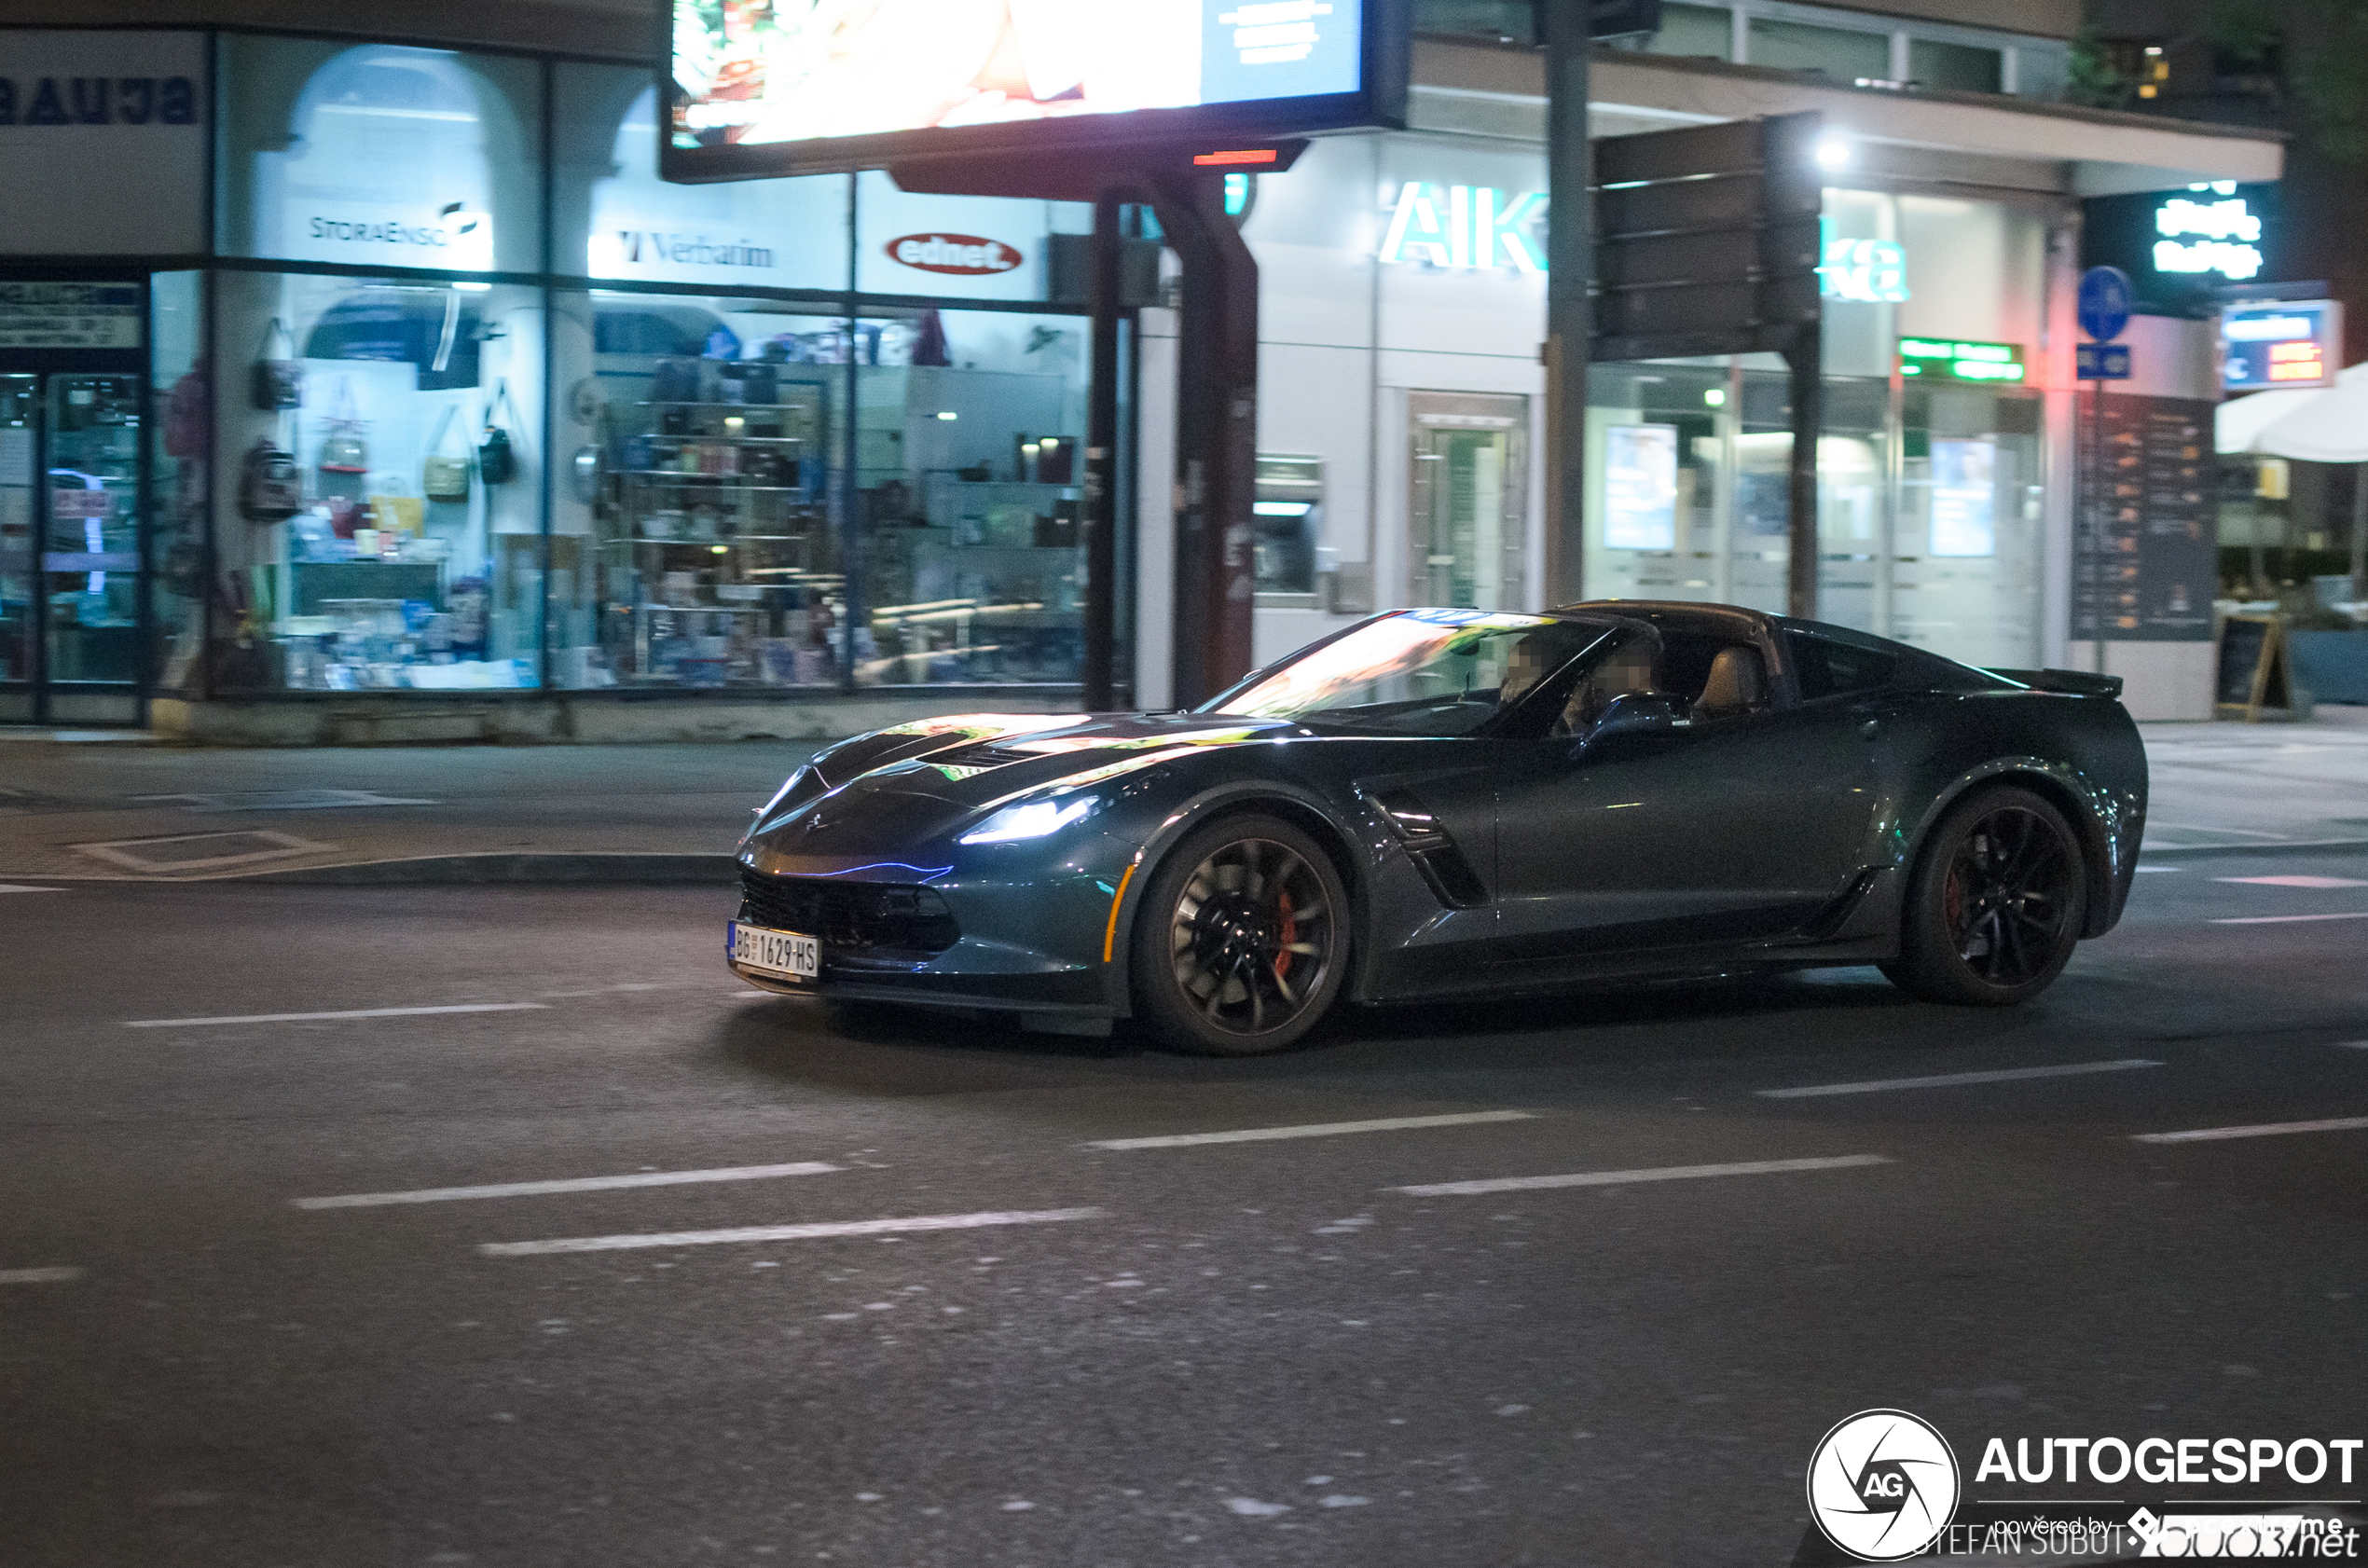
[{"x": 1439, "y": 803}]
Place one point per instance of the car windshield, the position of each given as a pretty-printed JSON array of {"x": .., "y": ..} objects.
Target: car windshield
[{"x": 1423, "y": 672}]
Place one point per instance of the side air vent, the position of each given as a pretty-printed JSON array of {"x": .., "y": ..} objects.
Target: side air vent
[{"x": 1428, "y": 844}]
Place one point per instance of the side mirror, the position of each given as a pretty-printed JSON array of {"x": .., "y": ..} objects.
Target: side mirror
[{"x": 1633, "y": 713}]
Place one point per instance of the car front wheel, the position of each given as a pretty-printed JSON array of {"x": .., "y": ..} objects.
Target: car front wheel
[
  {"x": 1241, "y": 940},
  {"x": 1996, "y": 904}
]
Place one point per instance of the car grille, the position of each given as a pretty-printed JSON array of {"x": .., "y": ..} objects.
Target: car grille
[{"x": 854, "y": 917}]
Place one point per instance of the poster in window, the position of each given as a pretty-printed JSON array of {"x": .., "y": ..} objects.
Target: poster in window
[
  {"x": 1640, "y": 487},
  {"x": 1964, "y": 498}
]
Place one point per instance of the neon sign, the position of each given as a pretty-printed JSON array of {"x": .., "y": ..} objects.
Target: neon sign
[
  {"x": 2293, "y": 344},
  {"x": 1476, "y": 228},
  {"x": 1943, "y": 359},
  {"x": 2209, "y": 236},
  {"x": 1467, "y": 227}
]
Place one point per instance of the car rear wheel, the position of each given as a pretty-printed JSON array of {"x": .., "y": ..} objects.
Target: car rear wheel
[
  {"x": 1241, "y": 940},
  {"x": 1996, "y": 904}
]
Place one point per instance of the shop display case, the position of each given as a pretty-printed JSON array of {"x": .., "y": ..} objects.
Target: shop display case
[{"x": 716, "y": 560}]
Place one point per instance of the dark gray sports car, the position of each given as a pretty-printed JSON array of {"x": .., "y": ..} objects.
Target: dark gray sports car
[{"x": 1449, "y": 802}]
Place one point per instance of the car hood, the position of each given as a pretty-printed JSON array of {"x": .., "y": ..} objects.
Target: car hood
[{"x": 901, "y": 787}]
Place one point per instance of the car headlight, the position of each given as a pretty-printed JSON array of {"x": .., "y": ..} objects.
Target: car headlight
[{"x": 1030, "y": 819}]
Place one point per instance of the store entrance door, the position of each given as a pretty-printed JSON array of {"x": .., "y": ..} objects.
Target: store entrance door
[
  {"x": 1469, "y": 527},
  {"x": 71, "y": 601}
]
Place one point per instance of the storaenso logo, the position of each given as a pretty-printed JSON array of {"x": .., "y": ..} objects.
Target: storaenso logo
[
  {"x": 98, "y": 101},
  {"x": 682, "y": 250},
  {"x": 1883, "y": 1485},
  {"x": 965, "y": 256},
  {"x": 453, "y": 224}
]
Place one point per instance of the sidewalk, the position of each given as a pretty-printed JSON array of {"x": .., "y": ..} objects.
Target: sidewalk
[
  {"x": 124, "y": 812},
  {"x": 118, "y": 812}
]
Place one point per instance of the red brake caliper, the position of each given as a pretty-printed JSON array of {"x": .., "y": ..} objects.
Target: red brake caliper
[{"x": 1290, "y": 935}]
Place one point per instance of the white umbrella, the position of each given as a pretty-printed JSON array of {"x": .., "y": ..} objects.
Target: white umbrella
[
  {"x": 2241, "y": 419},
  {"x": 2331, "y": 427}
]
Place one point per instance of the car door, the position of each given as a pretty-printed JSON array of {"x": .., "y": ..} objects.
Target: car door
[{"x": 1726, "y": 830}]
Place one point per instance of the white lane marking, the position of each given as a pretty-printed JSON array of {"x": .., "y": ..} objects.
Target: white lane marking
[
  {"x": 331, "y": 1017},
  {"x": 1317, "y": 1129},
  {"x": 2352, "y": 1045},
  {"x": 574, "y": 1183},
  {"x": 1617, "y": 1179},
  {"x": 2297, "y": 880},
  {"x": 2161, "y": 868},
  {"x": 38, "y": 1276},
  {"x": 2208, "y": 828},
  {"x": 790, "y": 1232},
  {"x": 2268, "y": 1130},
  {"x": 1943, "y": 1081},
  {"x": 2289, "y": 919},
  {"x": 14, "y": 888}
]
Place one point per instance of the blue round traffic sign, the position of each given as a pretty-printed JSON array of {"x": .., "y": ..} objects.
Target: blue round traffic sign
[{"x": 2105, "y": 302}]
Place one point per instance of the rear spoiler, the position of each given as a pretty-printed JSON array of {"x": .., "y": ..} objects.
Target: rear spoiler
[{"x": 2072, "y": 682}]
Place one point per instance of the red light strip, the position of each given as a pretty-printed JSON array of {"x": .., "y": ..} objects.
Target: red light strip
[{"x": 1219, "y": 161}]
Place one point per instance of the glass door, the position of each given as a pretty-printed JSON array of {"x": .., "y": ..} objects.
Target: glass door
[
  {"x": 89, "y": 532},
  {"x": 1467, "y": 522},
  {"x": 19, "y": 441}
]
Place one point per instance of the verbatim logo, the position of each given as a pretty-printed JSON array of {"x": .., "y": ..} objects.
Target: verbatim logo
[
  {"x": 688, "y": 250},
  {"x": 965, "y": 256}
]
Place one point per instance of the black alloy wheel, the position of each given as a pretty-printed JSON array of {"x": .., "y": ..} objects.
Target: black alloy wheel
[
  {"x": 1996, "y": 904},
  {"x": 1241, "y": 942}
]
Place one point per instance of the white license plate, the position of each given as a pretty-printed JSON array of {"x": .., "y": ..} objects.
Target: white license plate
[{"x": 785, "y": 954}]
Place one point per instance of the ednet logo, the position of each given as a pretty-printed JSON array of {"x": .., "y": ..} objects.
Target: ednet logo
[{"x": 965, "y": 256}]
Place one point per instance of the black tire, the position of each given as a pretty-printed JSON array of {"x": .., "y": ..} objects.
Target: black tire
[
  {"x": 1996, "y": 904},
  {"x": 1235, "y": 920}
]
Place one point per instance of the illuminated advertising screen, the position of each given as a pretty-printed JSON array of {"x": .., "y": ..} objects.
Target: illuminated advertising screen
[
  {"x": 2294, "y": 343},
  {"x": 762, "y": 88}
]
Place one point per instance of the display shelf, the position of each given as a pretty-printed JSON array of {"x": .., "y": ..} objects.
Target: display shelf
[{"x": 734, "y": 485}]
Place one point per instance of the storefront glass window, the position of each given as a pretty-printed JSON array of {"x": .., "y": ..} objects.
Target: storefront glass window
[
  {"x": 20, "y": 425},
  {"x": 969, "y": 473},
  {"x": 1660, "y": 438},
  {"x": 612, "y": 217},
  {"x": 380, "y": 498},
  {"x": 1970, "y": 544},
  {"x": 1833, "y": 52},
  {"x": 696, "y": 507},
  {"x": 379, "y": 155},
  {"x": 1694, "y": 30},
  {"x": 179, "y": 438},
  {"x": 1958, "y": 67}
]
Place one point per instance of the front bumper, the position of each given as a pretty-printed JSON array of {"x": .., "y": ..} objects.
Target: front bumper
[{"x": 1029, "y": 946}]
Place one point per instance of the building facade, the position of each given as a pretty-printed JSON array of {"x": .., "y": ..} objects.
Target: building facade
[{"x": 374, "y": 387}]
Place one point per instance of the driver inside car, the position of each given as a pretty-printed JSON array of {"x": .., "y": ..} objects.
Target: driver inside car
[{"x": 1629, "y": 669}]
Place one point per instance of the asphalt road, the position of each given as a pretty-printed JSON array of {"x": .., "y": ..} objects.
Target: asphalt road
[{"x": 1240, "y": 1352}]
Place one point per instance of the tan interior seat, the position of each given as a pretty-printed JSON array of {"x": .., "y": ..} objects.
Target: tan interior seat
[{"x": 1737, "y": 684}]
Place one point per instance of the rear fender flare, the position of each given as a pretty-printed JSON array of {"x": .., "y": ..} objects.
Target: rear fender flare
[
  {"x": 1288, "y": 801},
  {"x": 2108, "y": 842}
]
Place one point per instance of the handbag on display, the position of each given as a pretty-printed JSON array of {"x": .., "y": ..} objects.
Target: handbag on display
[
  {"x": 497, "y": 462},
  {"x": 270, "y": 486},
  {"x": 444, "y": 479},
  {"x": 344, "y": 449},
  {"x": 185, "y": 416},
  {"x": 277, "y": 383}
]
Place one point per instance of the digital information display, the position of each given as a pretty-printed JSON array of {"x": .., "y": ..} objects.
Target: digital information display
[
  {"x": 2296, "y": 343},
  {"x": 781, "y": 87}
]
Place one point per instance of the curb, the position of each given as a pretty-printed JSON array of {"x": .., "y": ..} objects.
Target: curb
[{"x": 515, "y": 870}]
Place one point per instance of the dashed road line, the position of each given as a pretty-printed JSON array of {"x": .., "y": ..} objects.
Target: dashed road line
[
  {"x": 2289, "y": 919},
  {"x": 572, "y": 1184},
  {"x": 1621, "y": 1178},
  {"x": 336, "y": 1017},
  {"x": 1317, "y": 1129},
  {"x": 38, "y": 1276},
  {"x": 1944, "y": 1081},
  {"x": 17, "y": 887},
  {"x": 791, "y": 1232},
  {"x": 2317, "y": 882},
  {"x": 2266, "y": 1130}
]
